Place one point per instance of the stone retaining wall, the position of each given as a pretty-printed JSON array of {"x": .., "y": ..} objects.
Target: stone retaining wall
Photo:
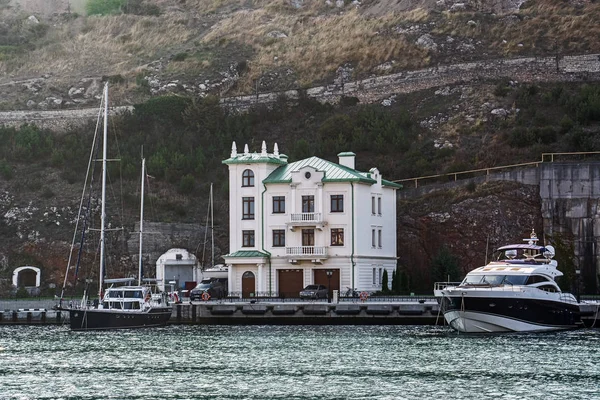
[{"x": 375, "y": 89}]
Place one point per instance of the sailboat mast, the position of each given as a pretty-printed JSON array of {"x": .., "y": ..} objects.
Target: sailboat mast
[
  {"x": 142, "y": 220},
  {"x": 103, "y": 212},
  {"x": 212, "y": 228}
]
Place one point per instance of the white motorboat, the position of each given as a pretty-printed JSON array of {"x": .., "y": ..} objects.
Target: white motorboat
[{"x": 516, "y": 292}]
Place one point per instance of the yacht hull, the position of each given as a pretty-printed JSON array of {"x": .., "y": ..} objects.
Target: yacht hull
[
  {"x": 101, "y": 319},
  {"x": 493, "y": 314}
]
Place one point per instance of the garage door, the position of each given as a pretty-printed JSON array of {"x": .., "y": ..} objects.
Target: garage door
[
  {"x": 290, "y": 282},
  {"x": 321, "y": 278}
]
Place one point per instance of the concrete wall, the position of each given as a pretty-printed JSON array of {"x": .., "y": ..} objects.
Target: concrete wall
[
  {"x": 570, "y": 199},
  {"x": 570, "y": 194}
]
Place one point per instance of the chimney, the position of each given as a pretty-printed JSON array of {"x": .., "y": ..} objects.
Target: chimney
[{"x": 347, "y": 159}]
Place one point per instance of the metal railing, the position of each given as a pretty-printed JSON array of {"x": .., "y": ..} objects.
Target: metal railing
[{"x": 546, "y": 157}]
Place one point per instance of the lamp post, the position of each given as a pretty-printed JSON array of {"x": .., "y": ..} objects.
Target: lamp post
[{"x": 329, "y": 273}]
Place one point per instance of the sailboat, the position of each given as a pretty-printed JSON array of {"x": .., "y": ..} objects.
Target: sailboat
[{"x": 122, "y": 305}]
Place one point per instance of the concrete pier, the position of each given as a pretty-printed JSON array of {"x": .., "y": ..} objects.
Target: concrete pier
[
  {"x": 307, "y": 313},
  {"x": 421, "y": 312}
]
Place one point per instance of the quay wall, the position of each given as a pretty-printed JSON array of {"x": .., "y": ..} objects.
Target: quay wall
[{"x": 287, "y": 313}]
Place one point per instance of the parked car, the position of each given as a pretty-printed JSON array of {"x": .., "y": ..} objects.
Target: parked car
[
  {"x": 214, "y": 287},
  {"x": 314, "y": 292}
]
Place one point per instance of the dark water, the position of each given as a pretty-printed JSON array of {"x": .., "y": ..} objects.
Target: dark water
[{"x": 296, "y": 362}]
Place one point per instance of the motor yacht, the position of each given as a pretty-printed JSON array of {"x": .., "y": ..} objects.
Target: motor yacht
[{"x": 516, "y": 292}]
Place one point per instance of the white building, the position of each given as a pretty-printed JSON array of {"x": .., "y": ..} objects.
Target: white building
[
  {"x": 178, "y": 266},
  {"x": 310, "y": 221}
]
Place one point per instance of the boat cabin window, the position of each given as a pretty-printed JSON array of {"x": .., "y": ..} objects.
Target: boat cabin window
[
  {"x": 115, "y": 293},
  {"x": 536, "y": 279},
  {"x": 515, "y": 279},
  {"x": 135, "y": 294},
  {"x": 548, "y": 288},
  {"x": 115, "y": 305}
]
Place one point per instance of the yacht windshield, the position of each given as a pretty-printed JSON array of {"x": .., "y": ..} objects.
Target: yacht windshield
[{"x": 494, "y": 280}]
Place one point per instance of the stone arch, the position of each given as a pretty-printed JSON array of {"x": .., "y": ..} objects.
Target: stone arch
[{"x": 27, "y": 276}]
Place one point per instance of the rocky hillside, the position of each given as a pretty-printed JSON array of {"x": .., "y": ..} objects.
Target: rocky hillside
[{"x": 482, "y": 83}]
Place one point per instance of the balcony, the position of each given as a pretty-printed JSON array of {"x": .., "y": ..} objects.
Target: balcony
[
  {"x": 315, "y": 253},
  {"x": 306, "y": 219}
]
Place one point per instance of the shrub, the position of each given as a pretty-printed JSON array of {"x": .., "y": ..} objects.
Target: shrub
[
  {"x": 103, "y": 7},
  {"x": 187, "y": 184},
  {"x": 22, "y": 293},
  {"x": 6, "y": 170},
  {"x": 166, "y": 109},
  {"x": 502, "y": 88},
  {"x": 139, "y": 7},
  {"x": 445, "y": 266},
  {"x": 180, "y": 56},
  {"x": 349, "y": 101},
  {"x": 566, "y": 124}
]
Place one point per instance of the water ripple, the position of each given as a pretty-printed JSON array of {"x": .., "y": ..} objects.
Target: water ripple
[{"x": 295, "y": 362}]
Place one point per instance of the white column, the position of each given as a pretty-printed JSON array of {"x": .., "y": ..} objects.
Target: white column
[
  {"x": 293, "y": 199},
  {"x": 229, "y": 278},
  {"x": 260, "y": 286},
  {"x": 319, "y": 207}
]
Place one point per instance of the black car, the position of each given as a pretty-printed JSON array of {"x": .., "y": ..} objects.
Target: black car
[
  {"x": 215, "y": 289},
  {"x": 314, "y": 292}
]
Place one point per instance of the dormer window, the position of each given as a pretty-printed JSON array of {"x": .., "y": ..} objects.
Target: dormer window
[{"x": 247, "y": 178}]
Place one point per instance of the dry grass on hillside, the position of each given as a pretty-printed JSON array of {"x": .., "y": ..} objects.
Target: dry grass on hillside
[
  {"x": 100, "y": 46},
  {"x": 316, "y": 46},
  {"x": 541, "y": 26}
]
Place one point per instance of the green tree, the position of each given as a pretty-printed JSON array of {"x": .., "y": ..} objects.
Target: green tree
[
  {"x": 384, "y": 282},
  {"x": 445, "y": 266}
]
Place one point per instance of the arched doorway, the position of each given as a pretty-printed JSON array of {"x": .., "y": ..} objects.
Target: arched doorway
[
  {"x": 26, "y": 277},
  {"x": 248, "y": 284}
]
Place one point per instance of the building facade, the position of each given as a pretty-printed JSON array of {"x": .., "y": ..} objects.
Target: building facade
[{"x": 307, "y": 222}]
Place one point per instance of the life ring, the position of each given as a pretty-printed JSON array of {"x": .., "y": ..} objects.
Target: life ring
[
  {"x": 205, "y": 296},
  {"x": 363, "y": 296}
]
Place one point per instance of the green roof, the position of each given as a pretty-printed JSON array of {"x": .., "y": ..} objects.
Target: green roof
[
  {"x": 333, "y": 172},
  {"x": 247, "y": 254},
  {"x": 255, "y": 158}
]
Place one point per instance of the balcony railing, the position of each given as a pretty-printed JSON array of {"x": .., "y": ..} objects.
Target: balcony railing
[
  {"x": 306, "y": 219},
  {"x": 306, "y": 252}
]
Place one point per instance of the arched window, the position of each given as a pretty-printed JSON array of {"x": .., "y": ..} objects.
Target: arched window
[{"x": 247, "y": 178}]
